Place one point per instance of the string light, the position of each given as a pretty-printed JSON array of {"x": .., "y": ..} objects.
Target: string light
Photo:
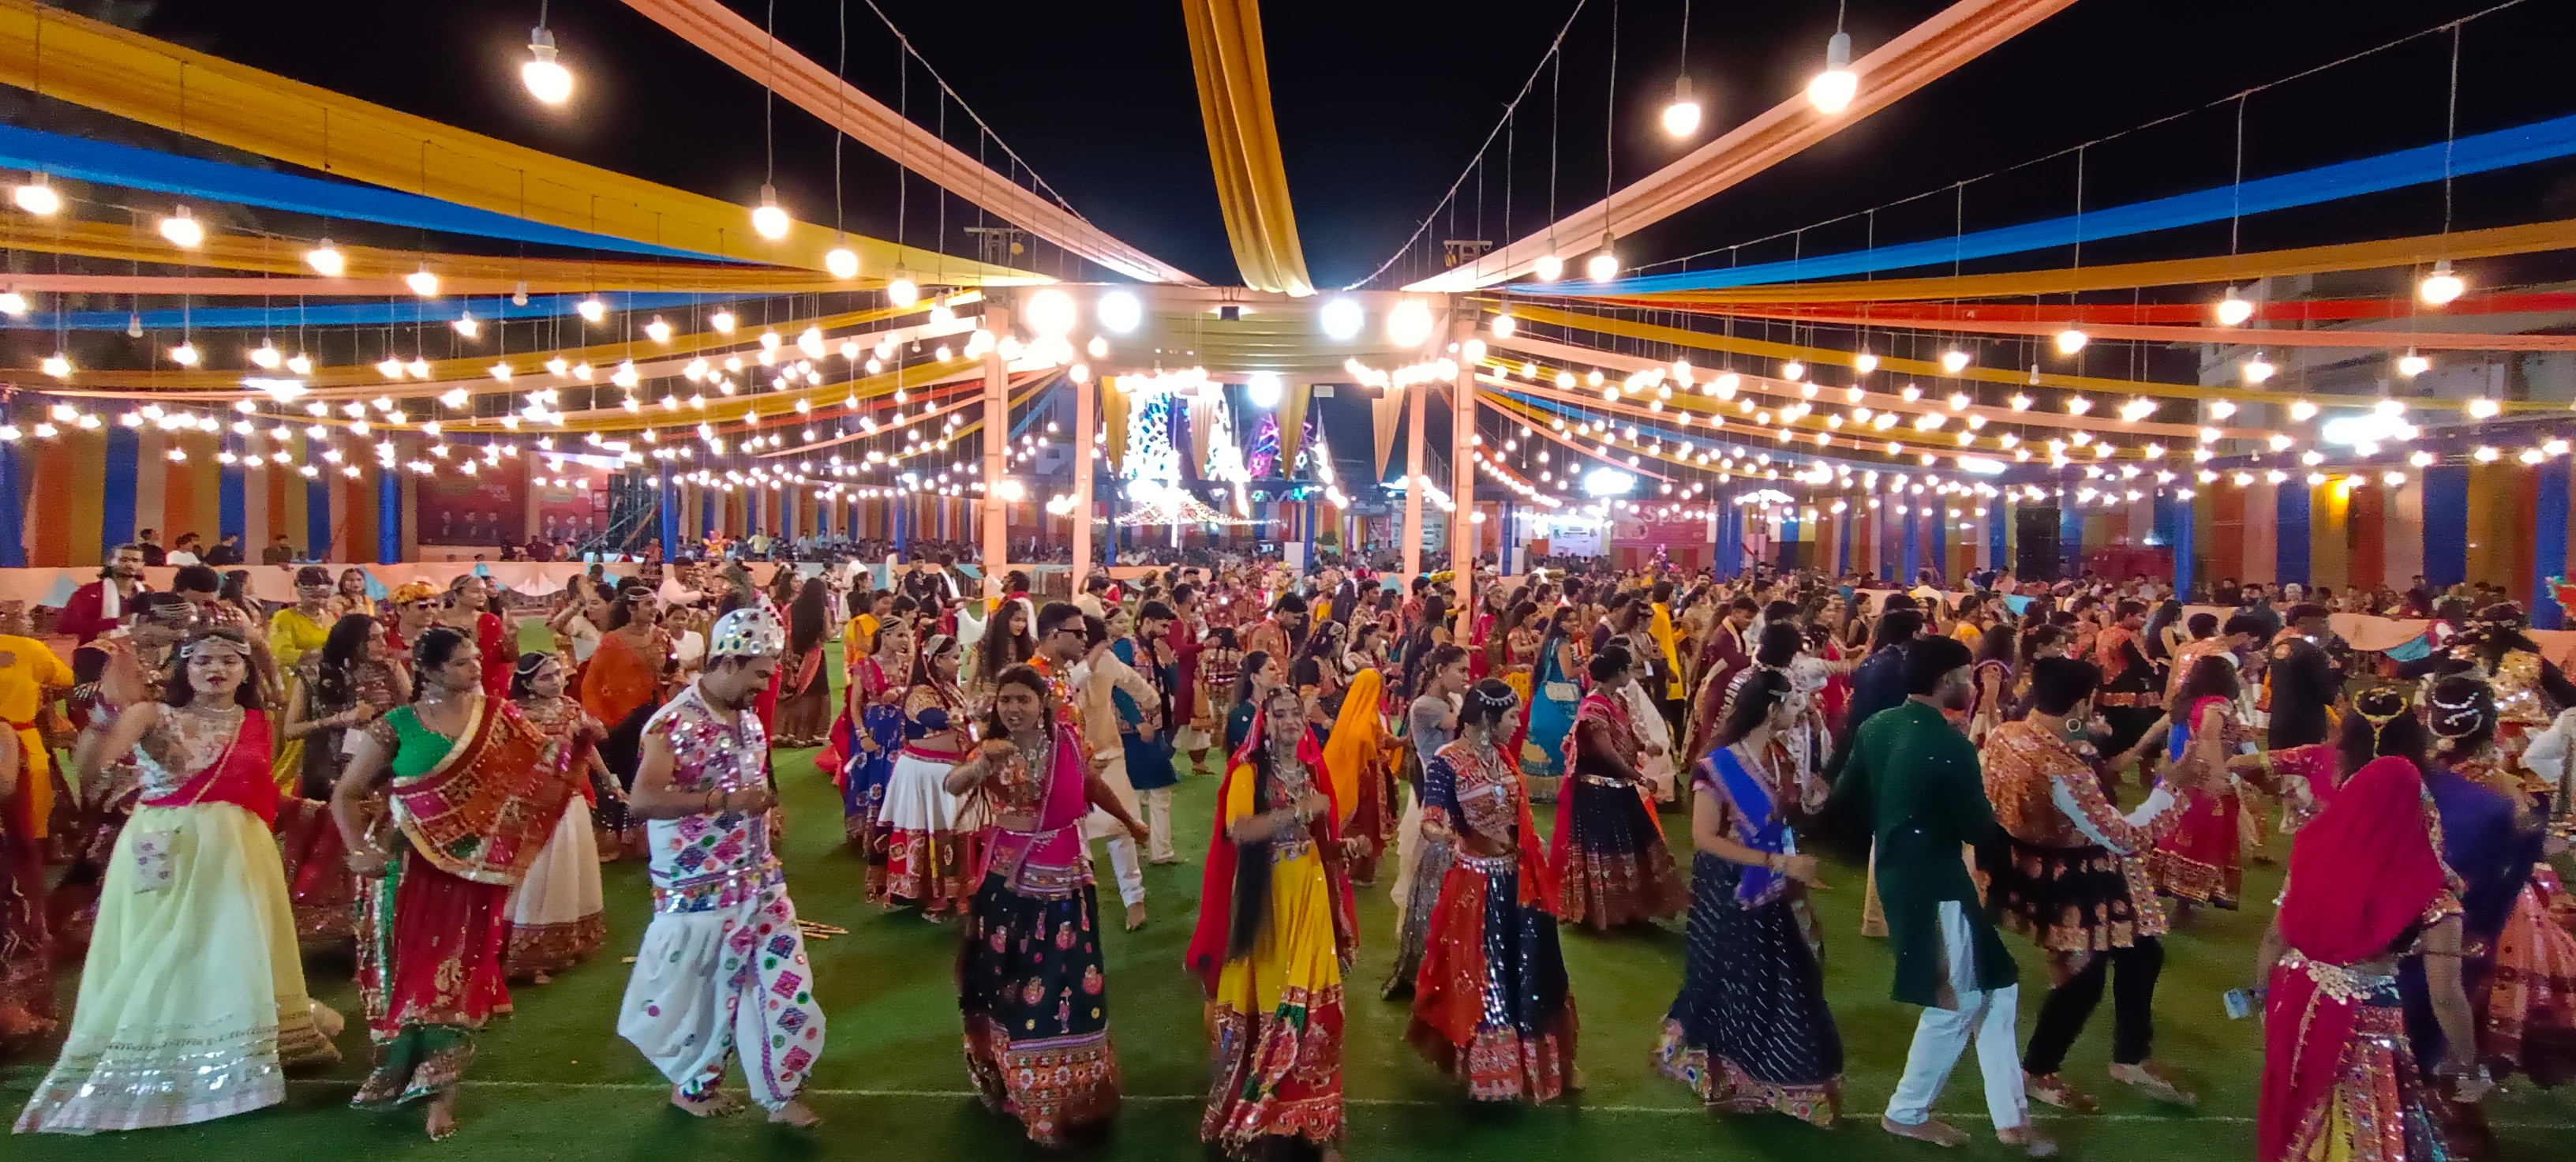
[
  {"x": 36, "y": 197},
  {"x": 2233, "y": 310},
  {"x": 546, "y": 78},
  {"x": 1832, "y": 90},
  {"x": 2437, "y": 289},
  {"x": 768, "y": 218}
]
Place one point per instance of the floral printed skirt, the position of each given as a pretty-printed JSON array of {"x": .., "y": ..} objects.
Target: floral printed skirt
[{"x": 1036, "y": 1009}]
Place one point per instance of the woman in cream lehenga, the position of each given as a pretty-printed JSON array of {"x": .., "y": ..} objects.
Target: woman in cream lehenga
[{"x": 192, "y": 1001}]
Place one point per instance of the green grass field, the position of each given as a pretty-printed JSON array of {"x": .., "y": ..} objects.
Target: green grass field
[{"x": 554, "y": 1082}]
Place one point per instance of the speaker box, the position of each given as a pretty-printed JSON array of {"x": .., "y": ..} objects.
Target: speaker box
[{"x": 2035, "y": 535}]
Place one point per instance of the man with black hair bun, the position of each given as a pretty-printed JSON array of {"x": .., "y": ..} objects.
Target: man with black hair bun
[{"x": 1915, "y": 779}]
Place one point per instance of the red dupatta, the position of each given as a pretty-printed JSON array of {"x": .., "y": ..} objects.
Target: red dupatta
[
  {"x": 1207, "y": 951},
  {"x": 1606, "y": 710},
  {"x": 487, "y": 808},
  {"x": 2363, "y": 873},
  {"x": 240, "y": 776}
]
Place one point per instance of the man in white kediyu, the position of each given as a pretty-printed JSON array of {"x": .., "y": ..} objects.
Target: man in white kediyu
[{"x": 723, "y": 966}]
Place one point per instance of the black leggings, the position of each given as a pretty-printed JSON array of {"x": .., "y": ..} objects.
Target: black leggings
[{"x": 2069, "y": 1005}]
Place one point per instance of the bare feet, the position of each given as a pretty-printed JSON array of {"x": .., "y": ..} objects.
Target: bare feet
[
  {"x": 2149, "y": 1079},
  {"x": 442, "y": 1117},
  {"x": 1574, "y": 1080},
  {"x": 713, "y": 1104},
  {"x": 2031, "y": 1141},
  {"x": 2053, "y": 1089},
  {"x": 542, "y": 978},
  {"x": 1933, "y": 1130},
  {"x": 1135, "y": 916},
  {"x": 795, "y": 1114}
]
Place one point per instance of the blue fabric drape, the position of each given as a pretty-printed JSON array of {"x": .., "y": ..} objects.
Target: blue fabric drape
[
  {"x": 2503, "y": 148},
  {"x": 2548, "y": 544},
  {"x": 2446, "y": 524},
  {"x": 388, "y": 518},
  {"x": 215, "y": 181},
  {"x": 116, "y": 524},
  {"x": 232, "y": 507},
  {"x": 13, "y": 510},
  {"x": 404, "y": 310},
  {"x": 2290, "y": 533},
  {"x": 317, "y": 518}
]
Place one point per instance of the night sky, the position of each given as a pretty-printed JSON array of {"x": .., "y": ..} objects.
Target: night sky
[{"x": 1381, "y": 104}]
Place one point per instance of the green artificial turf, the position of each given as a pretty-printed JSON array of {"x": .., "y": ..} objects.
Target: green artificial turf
[{"x": 555, "y": 1082}]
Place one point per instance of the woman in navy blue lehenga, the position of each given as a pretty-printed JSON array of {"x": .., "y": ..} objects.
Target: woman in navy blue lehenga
[{"x": 1750, "y": 1029}]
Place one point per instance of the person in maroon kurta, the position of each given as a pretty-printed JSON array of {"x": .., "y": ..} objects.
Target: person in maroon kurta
[
  {"x": 86, "y": 614},
  {"x": 1183, "y": 641}
]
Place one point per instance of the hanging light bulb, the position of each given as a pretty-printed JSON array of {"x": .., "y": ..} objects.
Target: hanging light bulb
[
  {"x": 722, "y": 321},
  {"x": 2258, "y": 369},
  {"x": 1681, "y": 118},
  {"x": 184, "y": 232},
  {"x": 2438, "y": 288},
  {"x": 134, "y": 325},
  {"x": 2302, "y": 410},
  {"x": 2411, "y": 364},
  {"x": 1832, "y": 90},
  {"x": 422, "y": 283},
  {"x": 657, "y": 330},
  {"x": 903, "y": 292},
  {"x": 466, "y": 326},
  {"x": 1548, "y": 268},
  {"x": 36, "y": 197},
  {"x": 1954, "y": 361},
  {"x": 266, "y": 356},
  {"x": 2070, "y": 341},
  {"x": 185, "y": 354},
  {"x": 326, "y": 260},
  {"x": 768, "y": 218},
  {"x": 591, "y": 309},
  {"x": 1602, "y": 266},
  {"x": 546, "y": 78},
  {"x": 300, "y": 363},
  {"x": 2233, "y": 310},
  {"x": 58, "y": 365},
  {"x": 12, "y": 303},
  {"x": 1864, "y": 363},
  {"x": 842, "y": 262},
  {"x": 418, "y": 367}
]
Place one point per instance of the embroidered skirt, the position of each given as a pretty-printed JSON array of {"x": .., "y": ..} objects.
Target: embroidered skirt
[
  {"x": 1036, "y": 1009},
  {"x": 429, "y": 966},
  {"x": 1617, "y": 870},
  {"x": 2069, "y": 899},
  {"x": 1750, "y": 1029},
  {"x": 2199, "y": 861},
  {"x": 925, "y": 850},
  {"x": 1491, "y": 1003},
  {"x": 1275, "y": 1024},
  {"x": 556, "y": 914},
  {"x": 2529, "y": 1018}
]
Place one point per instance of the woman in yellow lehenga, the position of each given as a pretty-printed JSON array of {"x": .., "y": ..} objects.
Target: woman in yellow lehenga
[
  {"x": 297, "y": 630},
  {"x": 1276, "y": 931}
]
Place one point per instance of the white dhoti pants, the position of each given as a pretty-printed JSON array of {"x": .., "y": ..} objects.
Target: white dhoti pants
[
  {"x": 710, "y": 984},
  {"x": 1985, "y": 1017},
  {"x": 1123, "y": 860}
]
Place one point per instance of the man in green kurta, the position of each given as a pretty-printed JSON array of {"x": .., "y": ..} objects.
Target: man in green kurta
[{"x": 1914, "y": 778}]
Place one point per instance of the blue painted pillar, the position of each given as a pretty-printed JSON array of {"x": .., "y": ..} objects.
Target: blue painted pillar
[
  {"x": 231, "y": 504},
  {"x": 2070, "y": 528},
  {"x": 116, "y": 503},
  {"x": 1843, "y": 538},
  {"x": 1308, "y": 520},
  {"x": 668, "y": 494},
  {"x": 2290, "y": 522},
  {"x": 13, "y": 512},
  {"x": 2446, "y": 524},
  {"x": 1913, "y": 550},
  {"x": 1936, "y": 539},
  {"x": 902, "y": 528},
  {"x": 1998, "y": 527},
  {"x": 317, "y": 515},
  {"x": 389, "y": 512},
  {"x": 2186, "y": 543},
  {"x": 1502, "y": 560},
  {"x": 1788, "y": 540},
  {"x": 2548, "y": 544}
]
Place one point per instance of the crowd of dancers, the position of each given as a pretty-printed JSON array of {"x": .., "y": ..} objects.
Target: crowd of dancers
[{"x": 2077, "y": 770}]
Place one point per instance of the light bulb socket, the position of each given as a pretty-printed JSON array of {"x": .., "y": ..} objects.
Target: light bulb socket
[
  {"x": 1838, "y": 51},
  {"x": 541, "y": 43},
  {"x": 1681, "y": 88}
]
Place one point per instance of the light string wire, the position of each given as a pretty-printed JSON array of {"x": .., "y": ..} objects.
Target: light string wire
[
  {"x": 2448, "y": 26},
  {"x": 1555, "y": 45},
  {"x": 978, "y": 119}
]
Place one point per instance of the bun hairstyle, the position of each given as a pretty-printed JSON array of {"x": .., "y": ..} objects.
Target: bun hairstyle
[
  {"x": 1489, "y": 702},
  {"x": 2463, "y": 714},
  {"x": 2382, "y": 726},
  {"x": 1613, "y": 660}
]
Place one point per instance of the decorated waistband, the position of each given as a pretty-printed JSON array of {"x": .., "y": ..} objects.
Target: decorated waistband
[{"x": 2342, "y": 982}]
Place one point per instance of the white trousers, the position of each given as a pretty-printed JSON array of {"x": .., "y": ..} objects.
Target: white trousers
[
  {"x": 1158, "y": 815},
  {"x": 1984, "y": 1017},
  {"x": 710, "y": 985},
  {"x": 1123, "y": 861},
  {"x": 1408, "y": 853}
]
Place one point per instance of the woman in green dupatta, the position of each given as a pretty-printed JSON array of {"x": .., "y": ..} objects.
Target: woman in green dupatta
[{"x": 474, "y": 796}]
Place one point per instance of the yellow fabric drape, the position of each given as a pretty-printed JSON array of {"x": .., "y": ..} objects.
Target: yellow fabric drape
[
  {"x": 99, "y": 66},
  {"x": 2422, "y": 248},
  {"x": 1354, "y": 740},
  {"x": 1384, "y": 413},
  {"x": 1292, "y": 421},
  {"x": 1243, "y": 143},
  {"x": 1113, "y": 422}
]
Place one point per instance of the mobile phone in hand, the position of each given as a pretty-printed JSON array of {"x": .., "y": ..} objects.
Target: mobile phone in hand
[{"x": 2243, "y": 1003}]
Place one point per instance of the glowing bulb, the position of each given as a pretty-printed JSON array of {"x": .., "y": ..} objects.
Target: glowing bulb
[
  {"x": 1952, "y": 361},
  {"x": 1681, "y": 118},
  {"x": 841, "y": 262},
  {"x": 2258, "y": 369},
  {"x": 2483, "y": 408},
  {"x": 1864, "y": 363},
  {"x": 2070, "y": 341},
  {"x": 2232, "y": 310},
  {"x": 185, "y": 354},
  {"x": 1504, "y": 325},
  {"x": 2221, "y": 409},
  {"x": 722, "y": 321},
  {"x": 657, "y": 330},
  {"x": 422, "y": 282},
  {"x": 546, "y": 78},
  {"x": 184, "y": 232},
  {"x": 2411, "y": 364},
  {"x": 37, "y": 198},
  {"x": 1832, "y": 90},
  {"x": 1548, "y": 268},
  {"x": 1603, "y": 266},
  {"x": 2303, "y": 410},
  {"x": 326, "y": 260},
  {"x": 902, "y": 292},
  {"x": 1049, "y": 313},
  {"x": 591, "y": 309},
  {"x": 1408, "y": 324},
  {"x": 300, "y": 363},
  {"x": 58, "y": 365},
  {"x": 768, "y": 218},
  {"x": 2437, "y": 289}
]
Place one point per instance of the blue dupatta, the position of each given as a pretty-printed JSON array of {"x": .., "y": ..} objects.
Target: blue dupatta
[{"x": 1759, "y": 824}]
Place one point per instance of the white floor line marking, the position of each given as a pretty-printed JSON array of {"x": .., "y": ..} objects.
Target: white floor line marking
[{"x": 2176, "y": 1119}]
